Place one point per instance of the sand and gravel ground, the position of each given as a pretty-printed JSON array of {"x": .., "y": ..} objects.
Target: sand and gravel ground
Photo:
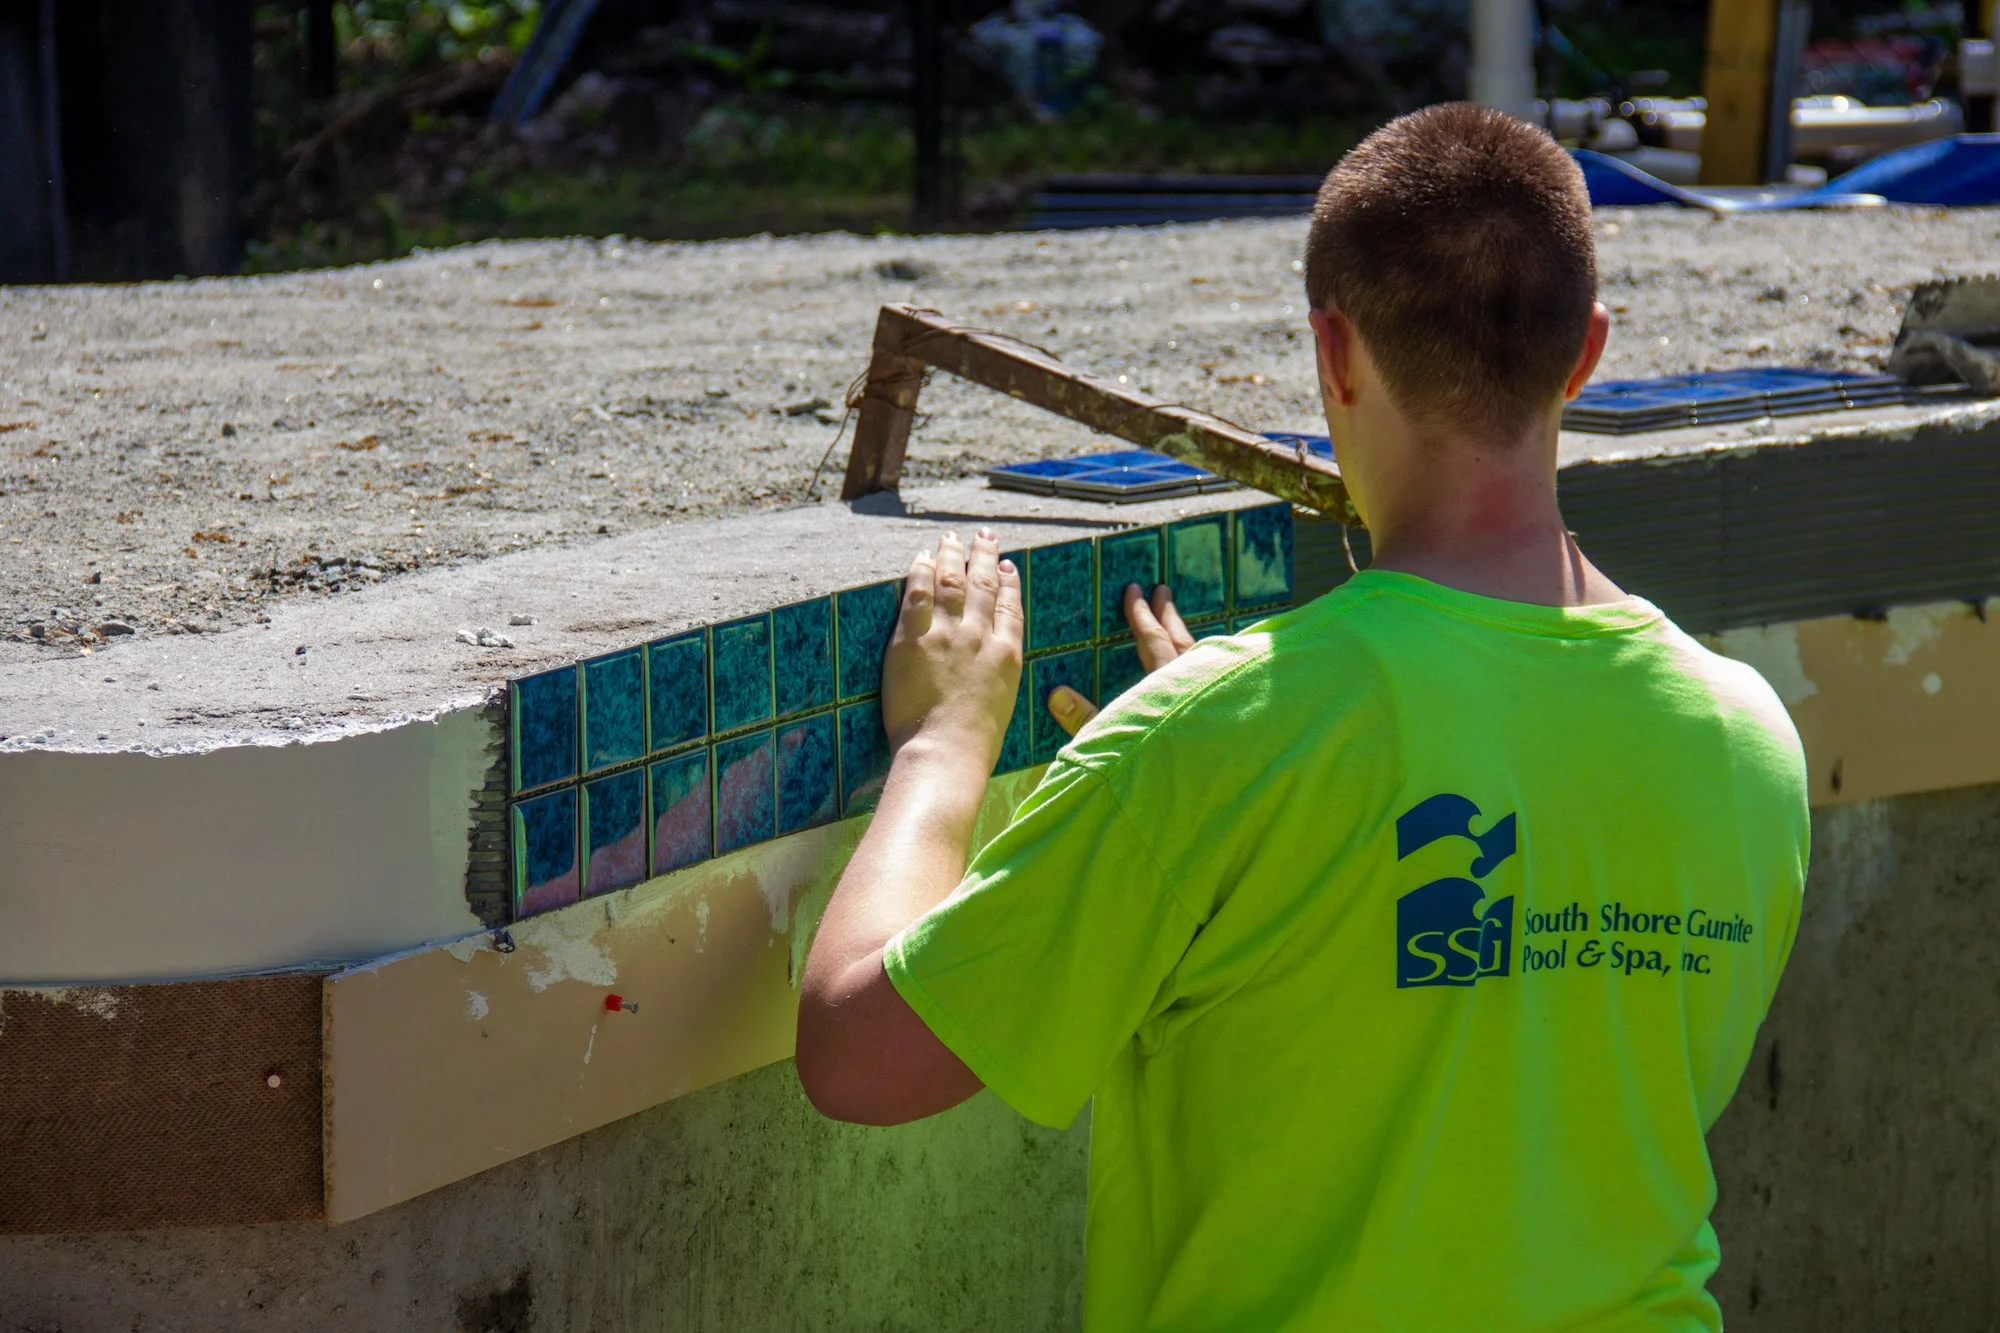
[{"x": 175, "y": 455}]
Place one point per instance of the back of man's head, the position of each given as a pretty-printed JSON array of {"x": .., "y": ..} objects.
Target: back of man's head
[{"x": 1457, "y": 240}]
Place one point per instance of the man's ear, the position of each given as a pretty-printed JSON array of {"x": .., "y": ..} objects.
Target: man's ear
[
  {"x": 1593, "y": 349},
  {"x": 1333, "y": 338}
]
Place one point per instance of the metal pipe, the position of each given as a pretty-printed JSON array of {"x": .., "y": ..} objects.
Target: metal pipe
[
  {"x": 1503, "y": 56},
  {"x": 1820, "y": 125},
  {"x": 1794, "y": 22},
  {"x": 51, "y": 79}
]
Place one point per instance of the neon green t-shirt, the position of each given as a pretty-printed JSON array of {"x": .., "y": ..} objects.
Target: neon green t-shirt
[{"x": 1409, "y": 943}]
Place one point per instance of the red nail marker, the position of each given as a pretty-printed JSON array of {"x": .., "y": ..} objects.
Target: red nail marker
[{"x": 614, "y": 1003}]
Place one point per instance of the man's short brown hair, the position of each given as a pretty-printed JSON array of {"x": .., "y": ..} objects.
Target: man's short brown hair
[{"x": 1457, "y": 240}]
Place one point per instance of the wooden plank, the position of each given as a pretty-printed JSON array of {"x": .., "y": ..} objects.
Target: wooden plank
[
  {"x": 452, "y": 1059},
  {"x": 172, "y": 1105},
  {"x": 1033, "y": 376},
  {"x": 883, "y": 417},
  {"x": 1742, "y": 42}
]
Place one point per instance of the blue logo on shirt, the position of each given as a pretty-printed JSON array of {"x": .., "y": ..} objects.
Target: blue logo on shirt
[{"x": 1447, "y": 933}]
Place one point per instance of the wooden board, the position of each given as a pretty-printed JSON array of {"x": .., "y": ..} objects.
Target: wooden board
[
  {"x": 1742, "y": 42},
  {"x": 446, "y": 1061},
  {"x": 181, "y": 1104}
]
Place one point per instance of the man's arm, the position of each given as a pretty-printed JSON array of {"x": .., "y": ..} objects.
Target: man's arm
[{"x": 948, "y": 687}]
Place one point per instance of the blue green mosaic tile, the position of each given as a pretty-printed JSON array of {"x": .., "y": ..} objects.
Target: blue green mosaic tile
[
  {"x": 772, "y": 723},
  {"x": 1263, "y": 555},
  {"x": 542, "y": 720},
  {"x": 614, "y": 709},
  {"x": 1118, "y": 670},
  {"x": 741, "y": 676},
  {"x": 1062, "y": 595},
  {"x": 679, "y": 801},
  {"x": 802, "y": 656},
  {"x": 1128, "y": 557},
  {"x": 546, "y": 865},
  {"x": 866, "y": 617},
  {"x": 864, "y": 757},
  {"x": 808, "y": 774},
  {"x": 677, "y": 688},
  {"x": 1017, "y": 745},
  {"x": 614, "y": 831},
  {"x": 1078, "y": 670},
  {"x": 745, "y": 791},
  {"x": 1198, "y": 565}
]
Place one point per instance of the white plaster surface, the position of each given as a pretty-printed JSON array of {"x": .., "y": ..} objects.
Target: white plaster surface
[
  {"x": 129, "y": 867},
  {"x": 1774, "y": 651}
]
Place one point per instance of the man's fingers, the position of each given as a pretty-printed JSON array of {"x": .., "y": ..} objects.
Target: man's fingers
[
  {"x": 919, "y": 594},
  {"x": 982, "y": 580},
  {"x": 1070, "y": 709},
  {"x": 1169, "y": 617},
  {"x": 1150, "y": 637},
  {"x": 1009, "y": 617},
  {"x": 950, "y": 578}
]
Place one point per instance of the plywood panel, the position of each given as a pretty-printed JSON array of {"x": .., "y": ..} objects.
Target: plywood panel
[
  {"x": 188, "y": 1104},
  {"x": 446, "y": 1061}
]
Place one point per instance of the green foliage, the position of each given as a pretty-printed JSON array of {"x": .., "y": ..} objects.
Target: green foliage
[
  {"x": 411, "y": 33},
  {"x": 786, "y": 166},
  {"x": 749, "y": 67}
]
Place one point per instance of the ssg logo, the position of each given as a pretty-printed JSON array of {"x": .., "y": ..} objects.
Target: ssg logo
[{"x": 1447, "y": 933}]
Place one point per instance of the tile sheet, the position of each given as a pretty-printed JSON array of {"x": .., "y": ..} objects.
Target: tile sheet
[
  {"x": 546, "y": 871},
  {"x": 677, "y": 690},
  {"x": 614, "y": 831},
  {"x": 802, "y": 656},
  {"x": 614, "y": 709},
  {"x": 866, "y": 618},
  {"x": 808, "y": 774},
  {"x": 740, "y": 684},
  {"x": 1127, "y": 558},
  {"x": 660, "y": 756},
  {"x": 542, "y": 730},
  {"x": 745, "y": 793},
  {"x": 682, "y": 814}
]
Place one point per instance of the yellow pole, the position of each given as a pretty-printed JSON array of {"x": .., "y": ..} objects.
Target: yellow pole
[{"x": 1742, "y": 41}]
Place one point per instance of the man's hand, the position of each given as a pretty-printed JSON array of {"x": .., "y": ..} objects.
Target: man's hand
[
  {"x": 954, "y": 663},
  {"x": 1160, "y": 635}
]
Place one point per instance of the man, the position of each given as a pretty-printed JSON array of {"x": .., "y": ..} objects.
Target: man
[{"x": 1408, "y": 943}]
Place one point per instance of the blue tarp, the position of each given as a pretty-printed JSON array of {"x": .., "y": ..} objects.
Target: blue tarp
[{"x": 1962, "y": 171}]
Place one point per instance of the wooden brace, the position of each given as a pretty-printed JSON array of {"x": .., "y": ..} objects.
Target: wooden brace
[{"x": 908, "y": 341}]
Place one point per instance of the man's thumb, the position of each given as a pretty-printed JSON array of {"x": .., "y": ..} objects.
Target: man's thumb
[{"x": 1070, "y": 709}]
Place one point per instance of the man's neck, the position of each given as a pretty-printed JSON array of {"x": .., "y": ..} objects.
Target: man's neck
[{"x": 1486, "y": 521}]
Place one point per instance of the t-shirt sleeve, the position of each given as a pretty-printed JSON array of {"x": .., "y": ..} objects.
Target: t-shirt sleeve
[{"x": 1052, "y": 952}]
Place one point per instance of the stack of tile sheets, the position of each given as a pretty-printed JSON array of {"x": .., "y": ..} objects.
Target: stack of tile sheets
[
  {"x": 664, "y": 754},
  {"x": 1125, "y": 476},
  {"x": 1626, "y": 407}
]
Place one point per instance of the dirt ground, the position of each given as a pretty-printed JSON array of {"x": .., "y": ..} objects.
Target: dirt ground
[{"x": 175, "y": 455}]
